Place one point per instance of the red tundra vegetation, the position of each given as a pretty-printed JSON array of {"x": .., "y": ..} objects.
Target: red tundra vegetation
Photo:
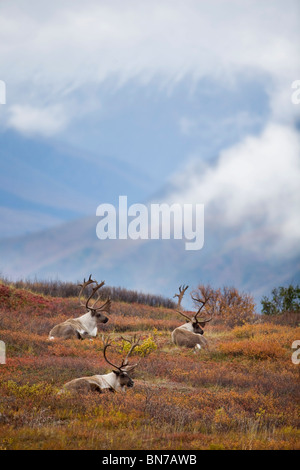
[{"x": 242, "y": 393}]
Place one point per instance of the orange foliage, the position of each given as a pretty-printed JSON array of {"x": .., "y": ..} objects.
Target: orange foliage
[
  {"x": 227, "y": 305},
  {"x": 240, "y": 394}
]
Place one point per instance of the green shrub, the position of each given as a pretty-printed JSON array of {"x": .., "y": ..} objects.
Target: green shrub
[{"x": 284, "y": 299}]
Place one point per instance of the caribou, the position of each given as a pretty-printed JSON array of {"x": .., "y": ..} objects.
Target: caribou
[
  {"x": 86, "y": 325},
  {"x": 116, "y": 381},
  {"x": 190, "y": 334}
]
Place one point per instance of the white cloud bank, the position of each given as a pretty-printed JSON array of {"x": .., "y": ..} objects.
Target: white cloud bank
[
  {"x": 48, "y": 52},
  {"x": 29, "y": 120},
  {"x": 253, "y": 190}
]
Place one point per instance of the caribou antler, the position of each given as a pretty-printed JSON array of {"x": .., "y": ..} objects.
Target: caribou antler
[
  {"x": 106, "y": 344},
  {"x": 94, "y": 290},
  {"x": 202, "y": 301},
  {"x": 134, "y": 341},
  {"x": 83, "y": 286},
  {"x": 124, "y": 365},
  {"x": 205, "y": 298},
  {"x": 182, "y": 290},
  {"x": 105, "y": 307}
]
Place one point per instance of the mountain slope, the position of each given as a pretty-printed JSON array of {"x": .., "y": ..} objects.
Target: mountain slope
[{"x": 73, "y": 251}]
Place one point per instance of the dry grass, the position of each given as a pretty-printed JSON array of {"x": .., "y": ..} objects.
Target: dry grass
[{"x": 241, "y": 394}]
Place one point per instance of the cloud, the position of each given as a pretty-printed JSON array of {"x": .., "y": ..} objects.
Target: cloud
[
  {"x": 29, "y": 120},
  {"x": 49, "y": 53},
  {"x": 232, "y": 125},
  {"x": 251, "y": 192}
]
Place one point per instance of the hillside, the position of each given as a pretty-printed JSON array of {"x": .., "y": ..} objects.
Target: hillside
[
  {"x": 72, "y": 249},
  {"x": 240, "y": 394}
]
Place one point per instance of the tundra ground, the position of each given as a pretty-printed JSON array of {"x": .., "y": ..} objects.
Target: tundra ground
[{"x": 241, "y": 394}]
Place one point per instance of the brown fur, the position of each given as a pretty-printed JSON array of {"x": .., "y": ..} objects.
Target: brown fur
[
  {"x": 87, "y": 324},
  {"x": 113, "y": 382},
  {"x": 66, "y": 330},
  {"x": 188, "y": 339},
  {"x": 82, "y": 386}
]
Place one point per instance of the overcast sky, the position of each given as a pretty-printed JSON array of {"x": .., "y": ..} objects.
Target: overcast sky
[{"x": 188, "y": 99}]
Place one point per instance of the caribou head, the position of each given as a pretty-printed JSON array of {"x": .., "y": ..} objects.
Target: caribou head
[
  {"x": 87, "y": 324},
  {"x": 190, "y": 334},
  {"x": 96, "y": 312},
  {"x": 123, "y": 371}
]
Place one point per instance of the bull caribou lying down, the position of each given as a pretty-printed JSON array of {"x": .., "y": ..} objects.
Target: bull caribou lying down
[
  {"x": 190, "y": 335},
  {"x": 115, "y": 381},
  {"x": 86, "y": 325}
]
